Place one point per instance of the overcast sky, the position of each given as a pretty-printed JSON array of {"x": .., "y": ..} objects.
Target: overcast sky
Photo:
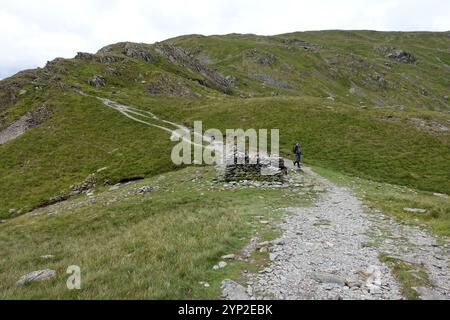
[{"x": 33, "y": 32}]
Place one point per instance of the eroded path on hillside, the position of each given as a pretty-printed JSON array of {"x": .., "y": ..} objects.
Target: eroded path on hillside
[
  {"x": 332, "y": 250},
  {"x": 177, "y": 131}
]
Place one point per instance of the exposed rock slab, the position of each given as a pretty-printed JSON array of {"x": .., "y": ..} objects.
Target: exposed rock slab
[
  {"x": 40, "y": 275},
  {"x": 234, "y": 291},
  {"x": 24, "y": 123}
]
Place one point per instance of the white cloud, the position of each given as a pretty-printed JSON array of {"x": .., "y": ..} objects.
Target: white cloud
[{"x": 36, "y": 31}]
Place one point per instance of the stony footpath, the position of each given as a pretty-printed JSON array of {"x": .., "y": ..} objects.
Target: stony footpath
[
  {"x": 417, "y": 247},
  {"x": 331, "y": 251}
]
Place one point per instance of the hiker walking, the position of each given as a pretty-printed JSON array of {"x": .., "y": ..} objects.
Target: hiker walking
[{"x": 297, "y": 149}]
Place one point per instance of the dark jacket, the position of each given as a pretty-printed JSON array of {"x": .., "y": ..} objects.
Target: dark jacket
[{"x": 297, "y": 149}]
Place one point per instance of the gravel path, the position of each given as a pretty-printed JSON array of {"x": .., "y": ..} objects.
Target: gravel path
[
  {"x": 321, "y": 250},
  {"x": 323, "y": 254},
  {"x": 416, "y": 246}
]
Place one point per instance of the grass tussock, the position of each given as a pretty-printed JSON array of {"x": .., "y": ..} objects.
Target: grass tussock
[{"x": 409, "y": 275}]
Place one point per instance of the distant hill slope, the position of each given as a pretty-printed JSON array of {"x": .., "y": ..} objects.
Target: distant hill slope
[
  {"x": 373, "y": 104},
  {"x": 384, "y": 69}
]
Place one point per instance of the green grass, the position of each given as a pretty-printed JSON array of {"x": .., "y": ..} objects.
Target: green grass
[
  {"x": 81, "y": 137},
  {"x": 343, "y": 138},
  {"x": 154, "y": 246},
  {"x": 409, "y": 275},
  {"x": 342, "y": 59},
  {"x": 322, "y": 223}
]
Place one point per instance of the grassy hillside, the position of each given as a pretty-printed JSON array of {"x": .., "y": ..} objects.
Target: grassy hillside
[
  {"x": 357, "y": 108},
  {"x": 344, "y": 138},
  {"x": 159, "y": 245},
  {"x": 332, "y": 63}
]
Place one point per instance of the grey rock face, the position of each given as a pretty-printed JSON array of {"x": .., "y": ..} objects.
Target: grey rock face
[
  {"x": 262, "y": 58},
  {"x": 169, "y": 85},
  {"x": 402, "y": 56},
  {"x": 102, "y": 57},
  {"x": 182, "y": 57},
  {"x": 97, "y": 81},
  {"x": 88, "y": 184},
  {"x": 85, "y": 56},
  {"x": 139, "y": 51},
  {"x": 109, "y": 58},
  {"x": 24, "y": 123},
  {"x": 146, "y": 189},
  {"x": 40, "y": 275}
]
